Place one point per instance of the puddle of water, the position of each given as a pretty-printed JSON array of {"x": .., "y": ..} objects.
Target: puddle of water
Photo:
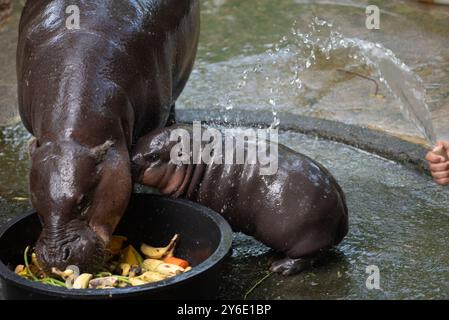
[{"x": 13, "y": 171}]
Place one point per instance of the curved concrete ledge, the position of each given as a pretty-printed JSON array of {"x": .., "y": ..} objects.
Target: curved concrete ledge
[{"x": 370, "y": 140}]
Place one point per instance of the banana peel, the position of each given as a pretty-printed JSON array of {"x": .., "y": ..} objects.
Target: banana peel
[
  {"x": 161, "y": 252},
  {"x": 82, "y": 282},
  {"x": 147, "y": 277},
  {"x": 150, "y": 276},
  {"x": 63, "y": 274},
  {"x": 125, "y": 268},
  {"x": 162, "y": 267},
  {"x": 137, "y": 282},
  {"x": 130, "y": 256}
]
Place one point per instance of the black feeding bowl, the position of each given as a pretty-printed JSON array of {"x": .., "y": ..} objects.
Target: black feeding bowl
[{"x": 205, "y": 241}]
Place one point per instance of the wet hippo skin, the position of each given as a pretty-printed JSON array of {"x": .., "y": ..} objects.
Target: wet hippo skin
[
  {"x": 300, "y": 210},
  {"x": 87, "y": 95}
]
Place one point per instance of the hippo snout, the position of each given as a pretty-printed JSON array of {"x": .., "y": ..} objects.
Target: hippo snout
[{"x": 74, "y": 244}]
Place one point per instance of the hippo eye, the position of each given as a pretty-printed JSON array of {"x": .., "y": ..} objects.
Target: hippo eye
[
  {"x": 82, "y": 205},
  {"x": 84, "y": 212}
]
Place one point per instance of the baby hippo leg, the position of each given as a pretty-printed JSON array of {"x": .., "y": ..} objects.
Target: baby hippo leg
[{"x": 289, "y": 266}]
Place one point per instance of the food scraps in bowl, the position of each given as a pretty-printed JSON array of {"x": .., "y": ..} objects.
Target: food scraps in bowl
[{"x": 125, "y": 267}]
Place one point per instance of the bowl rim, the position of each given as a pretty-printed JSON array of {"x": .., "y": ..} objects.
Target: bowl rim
[{"x": 224, "y": 246}]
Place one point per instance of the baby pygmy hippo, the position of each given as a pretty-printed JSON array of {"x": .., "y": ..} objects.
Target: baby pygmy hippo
[{"x": 299, "y": 210}]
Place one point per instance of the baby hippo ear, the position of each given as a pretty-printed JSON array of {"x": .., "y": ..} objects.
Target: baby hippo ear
[{"x": 100, "y": 151}]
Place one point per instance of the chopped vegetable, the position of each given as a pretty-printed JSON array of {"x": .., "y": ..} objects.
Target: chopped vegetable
[
  {"x": 176, "y": 261},
  {"x": 103, "y": 283},
  {"x": 125, "y": 267},
  {"x": 151, "y": 276},
  {"x": 25, "y": 258},
  {"x": 63, "y": 274},
  {"x": 137, "y": 282},
  {"x": 19, "y": 269},
  {"x": 116, "y": 244},
  {"x": 130, "y": 256},
  {"x": 135, "y": 271},
  {"x": 82, "y": 282}
]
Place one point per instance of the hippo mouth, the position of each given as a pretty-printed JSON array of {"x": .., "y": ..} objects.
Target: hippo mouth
[{"x": 72, "y": 244}]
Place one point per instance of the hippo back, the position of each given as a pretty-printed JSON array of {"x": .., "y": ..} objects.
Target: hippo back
[{"x": 124, "y": 67}]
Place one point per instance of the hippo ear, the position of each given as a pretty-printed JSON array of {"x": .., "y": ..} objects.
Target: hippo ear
[
  {"x": 100, "y": 151},
  {"x": 33, "y": 144}
]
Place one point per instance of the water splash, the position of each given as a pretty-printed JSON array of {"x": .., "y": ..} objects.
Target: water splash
[
  {"x": 323, "y": 40},
  {"x": 301, "y": 73}
]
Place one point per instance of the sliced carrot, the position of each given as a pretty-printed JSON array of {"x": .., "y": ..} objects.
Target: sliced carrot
[{"x": 176, "y": 261}]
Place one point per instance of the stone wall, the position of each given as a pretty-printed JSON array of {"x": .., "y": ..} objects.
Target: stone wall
[
  {"x": 5, "y": 9},
  {"x": 8, "y": 41}
]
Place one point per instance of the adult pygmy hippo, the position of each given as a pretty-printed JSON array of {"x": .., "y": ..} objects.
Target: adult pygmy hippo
[
  {"x": 299, "y": 210},
  {"x": 86, "y": 95}
]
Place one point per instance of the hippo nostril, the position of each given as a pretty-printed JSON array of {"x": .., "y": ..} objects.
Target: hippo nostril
[{"x": 66, "y": 254}]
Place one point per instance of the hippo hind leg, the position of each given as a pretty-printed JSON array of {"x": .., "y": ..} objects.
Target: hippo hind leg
[
  {"x": 289, "y": 266},
  {"x": 301, "y": 259}
]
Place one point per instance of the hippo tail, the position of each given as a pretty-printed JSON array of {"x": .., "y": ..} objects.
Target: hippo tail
[
  {"x": 342, "y": 208},
  {"x": 343, "y": 226}
]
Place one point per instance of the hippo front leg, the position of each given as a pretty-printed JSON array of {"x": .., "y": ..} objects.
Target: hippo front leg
[{"x": 152, "y": 166}]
